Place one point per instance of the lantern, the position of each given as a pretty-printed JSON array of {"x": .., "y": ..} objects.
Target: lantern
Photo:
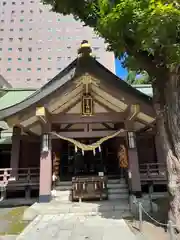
[
  {"x": 131, "y": 140},
  {"x": 45, "y": 143}
]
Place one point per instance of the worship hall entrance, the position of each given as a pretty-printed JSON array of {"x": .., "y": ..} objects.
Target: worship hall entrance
[{"x": 75, "y": 162}]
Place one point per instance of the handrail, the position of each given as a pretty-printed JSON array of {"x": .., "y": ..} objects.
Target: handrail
[
  {"x": 153, "y": 170},
  {"x": 170, "y": 226},
  {"x": 22, "y": 173}
]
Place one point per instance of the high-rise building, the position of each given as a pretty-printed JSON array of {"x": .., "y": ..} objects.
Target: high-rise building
[{"x": 36, "y": 43}]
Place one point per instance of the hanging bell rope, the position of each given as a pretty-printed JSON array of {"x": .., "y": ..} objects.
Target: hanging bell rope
[{"x": 88, "y": 147}]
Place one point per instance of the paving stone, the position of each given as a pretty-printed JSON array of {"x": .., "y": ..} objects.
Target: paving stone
[
  {"x": 8, "y": 237},
  {"x": 4, "y": 224},
  {"x": 78, "y": 221}
]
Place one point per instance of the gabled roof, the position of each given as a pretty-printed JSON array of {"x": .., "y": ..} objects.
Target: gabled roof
[{"x": 77, "y": 68}]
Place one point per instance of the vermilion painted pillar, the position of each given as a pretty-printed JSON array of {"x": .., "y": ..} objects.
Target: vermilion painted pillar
[
  {"x": 45, "y": 173},
  {"x": 15, "y": 151},
  {"x": 133, "y": 168}
]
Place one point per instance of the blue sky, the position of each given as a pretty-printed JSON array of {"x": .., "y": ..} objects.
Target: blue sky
[{"x": 120, "y": 71}]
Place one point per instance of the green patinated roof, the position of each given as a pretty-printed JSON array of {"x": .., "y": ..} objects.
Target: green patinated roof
[
  {"x": 14, "y": 96},
  {"x": 144, "y": 88}
]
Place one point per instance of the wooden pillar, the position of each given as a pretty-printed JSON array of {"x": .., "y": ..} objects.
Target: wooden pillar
[
  {"x": 45, "y": 168},
  {"x": 133, "y": 166},
  {"x": 15, "y": 151}
]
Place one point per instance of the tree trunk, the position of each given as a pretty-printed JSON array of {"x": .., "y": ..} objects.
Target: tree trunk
[{"x": 167, "y": 107}]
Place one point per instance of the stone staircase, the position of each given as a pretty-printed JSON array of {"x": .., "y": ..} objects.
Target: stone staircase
[
  {"x": 117, "y": 189},
  {"x": 63, "y": 190}
]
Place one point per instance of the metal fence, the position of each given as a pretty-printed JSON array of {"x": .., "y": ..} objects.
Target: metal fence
[{"x": 170, "y": 226}]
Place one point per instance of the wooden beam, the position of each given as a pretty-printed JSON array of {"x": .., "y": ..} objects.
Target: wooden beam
[
  {"x": 67, "y": 126},
  {"x": 92, "y": 134},
  {"x": 132, "y": 111},
  {"x": 107, "y": 126},
  {"x": 97, "y": 118}
]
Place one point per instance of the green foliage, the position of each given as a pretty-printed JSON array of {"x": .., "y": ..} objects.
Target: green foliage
[
  {"x": 148, "y": 30},
  {"x": 137, "y": 78}
]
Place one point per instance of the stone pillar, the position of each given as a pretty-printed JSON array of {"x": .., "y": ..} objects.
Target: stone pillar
[
  {"x": 133, "y": 166},
  {"x": 15, "y": 151},
  {"x": 45, "y": 172}
]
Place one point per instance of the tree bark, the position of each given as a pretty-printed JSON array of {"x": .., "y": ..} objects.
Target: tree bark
[{"x": 167, "y": 107}]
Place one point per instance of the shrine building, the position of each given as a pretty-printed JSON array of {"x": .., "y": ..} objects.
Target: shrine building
[{"x": 84, "y": 123}]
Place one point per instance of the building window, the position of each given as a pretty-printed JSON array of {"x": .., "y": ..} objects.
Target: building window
[
  {"x": 10, "y": 39},
  {"x": 31, "y": 11},
  {"x": 38, "y": 69},
  {"x": 31, "y": 1},
  {"x": 59, "y": 69},
  {"x": 30, "y": 29},
  {"x": 49, "y": 49},
  {"x": 9, "y": 49},
  {"x": 59, "y": 19},
  {"x": 22, "y": 3},
  {"x": 40, "y": 10},
  {"x": 49, "y": 69},
  {"x": 59, "y": 58},
  {"x": 22, "y": 11},
  {"x": 30, "y": 20},
  {"x": 11, "y": 29},
  {"x": 38, "y": 79},
  {"x": 39, "y": 58},
  {"x": 12, "y": 11},
  {"x": 2, "y": 30},
  {"x": 49, "y": 58},
  {"x": 8, "y": 69},
  {"x": 19, "y": 69},
  {"x": 13, "y": 3},
  {"x": 21, "y": 20},
  {"x": 0, "y": 59},
  {"x": 30, "y": 49},
  {"x": 12, "y": 20},
  {"x": 19, "y": 59},
  {"x": 69, "y": 47},
  {"x": 39, "y": 49},
  {"x": 20, "y": 49},
  {"x": 29, "y": 69},
  {"x": 49, "y": 29},
  {"x": 9, "y": 59},
  {"x": 1, "y": 39},
  {"x": 28, "y": 79},
  {"x": 29, "y": 59},
  {"x": 21, "y": 29},
  {"x": 2, "y": 21},
  {"x": 0, "y": 49},
  {"x": 4, "y": 3},
  {"x": 30, "y": 39},
  {"x": 20, "y": 39}
]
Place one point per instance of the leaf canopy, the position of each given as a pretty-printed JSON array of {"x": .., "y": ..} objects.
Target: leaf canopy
[{"x": 150, "y": 28}]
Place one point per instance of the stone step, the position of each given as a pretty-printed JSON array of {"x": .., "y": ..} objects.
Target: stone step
[
  {"x": 117, "y": 190},
  {"x": 117, "y": 196},
  {"x": 116, "y": 181},
  {"x": 63, "y": 188},
  {"x": 64, "y": 183},
  {"x": 117, "y": 185}
]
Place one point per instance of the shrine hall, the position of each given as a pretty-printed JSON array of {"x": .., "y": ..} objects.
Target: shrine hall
[{"x": 85, "y": 126}]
